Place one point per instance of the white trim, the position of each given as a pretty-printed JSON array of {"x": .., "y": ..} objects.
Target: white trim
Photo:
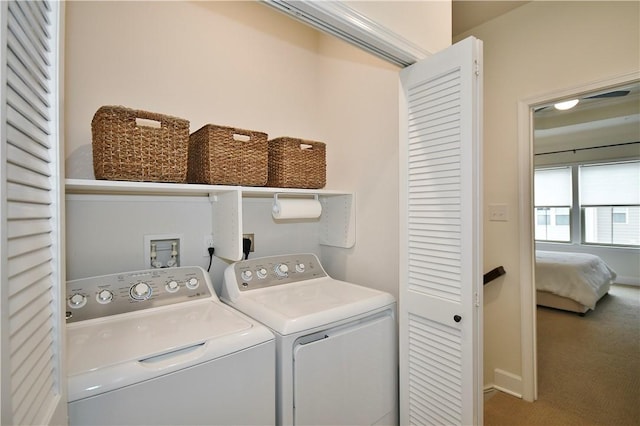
[
  {"x": 527, "y": 290},
  {"x": 338, "y": 19},
  {"x": 631, "y": 281},
  {"x": 525, "y": 158},
  {"x": 6, "y": 412},
  {"x": 507, "y": 382},
  {"x": 488, "y": 389},
  {"x": 507, "y": 391},
  {"x": 59, "y": 406}
]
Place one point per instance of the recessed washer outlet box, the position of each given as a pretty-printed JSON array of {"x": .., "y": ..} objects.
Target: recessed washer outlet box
[
  {"x": 252, "y": 238},
  {"x": 162, "y": 250}
]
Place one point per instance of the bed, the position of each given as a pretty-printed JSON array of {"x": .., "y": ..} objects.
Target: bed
[{"x": 571, "y": 281}]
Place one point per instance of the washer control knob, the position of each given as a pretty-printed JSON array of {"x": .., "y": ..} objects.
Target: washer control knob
[
  {"x": 104, "y": 296},
  {"x": 262, "y": 273},
  {"x": 172, "y": 286},
  {"x": 192, "y": 283},
  {"x": 300, "y": 267},
  {"x": 140, "y": 291},
  {"x": 281, "y": 270},
  {"x": 247, "y": 275},
  {"x": 77, "y": 300}
]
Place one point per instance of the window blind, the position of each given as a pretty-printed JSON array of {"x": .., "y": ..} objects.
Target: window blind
[
  {"x": 610, "y": 184},
  {"x": 553, "y": 187}
]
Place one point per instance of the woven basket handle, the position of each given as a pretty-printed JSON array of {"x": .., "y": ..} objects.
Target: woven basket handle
[
  {"x": 240, "y": 135},
  {"x": 150, "y": 116}
]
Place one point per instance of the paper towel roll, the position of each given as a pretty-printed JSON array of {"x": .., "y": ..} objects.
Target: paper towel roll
[{"x": 296, "y": 208}]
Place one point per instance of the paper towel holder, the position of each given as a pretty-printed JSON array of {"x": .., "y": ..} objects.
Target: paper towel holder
[
  {"x": 275, "y": 196},
  {"x": 275, "y": 207}
]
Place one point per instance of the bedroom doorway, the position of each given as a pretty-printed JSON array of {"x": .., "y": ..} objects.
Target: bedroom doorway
[{"x": 603, "y": 91}]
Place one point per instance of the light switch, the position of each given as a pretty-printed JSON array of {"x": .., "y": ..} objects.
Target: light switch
[{"x": 498, "y": 212}]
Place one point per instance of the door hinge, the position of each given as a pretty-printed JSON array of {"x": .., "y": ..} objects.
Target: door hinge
[
  {"x": 477, "y": 67},
  {"x": 477, "y": 299}
]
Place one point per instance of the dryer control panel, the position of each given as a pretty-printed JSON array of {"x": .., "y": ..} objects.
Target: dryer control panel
[
  {"x": 106, "y": 295},
  {"x": 269, "y": 271}
]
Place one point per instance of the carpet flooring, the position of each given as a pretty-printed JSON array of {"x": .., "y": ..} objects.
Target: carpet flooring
[{"x": 588, "y": 368}]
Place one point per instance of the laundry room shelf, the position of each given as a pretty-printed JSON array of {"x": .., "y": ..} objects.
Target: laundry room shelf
[
  {"x": 336, "y": 224},
  {"x": 89, "y": 186},
  {"x": 86, "y": 186}
]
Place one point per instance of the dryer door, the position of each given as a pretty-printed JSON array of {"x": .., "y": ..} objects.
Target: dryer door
[{"x": 347, "y": 375}]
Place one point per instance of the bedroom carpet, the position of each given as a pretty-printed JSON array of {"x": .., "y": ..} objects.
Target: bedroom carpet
[{"x": 588, "y": 368}]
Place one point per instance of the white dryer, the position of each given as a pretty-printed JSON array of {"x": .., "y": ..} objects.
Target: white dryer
[
  {"x": 336, "y": 341},
  {"x": 158, "y": 347}
]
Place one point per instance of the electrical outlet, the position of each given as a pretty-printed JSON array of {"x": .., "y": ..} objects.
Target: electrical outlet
[
  {"x": 207, "y": 242},
  {"x": 253, "y": 243}
]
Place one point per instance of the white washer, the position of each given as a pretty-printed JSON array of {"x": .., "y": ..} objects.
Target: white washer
[
  {"x": 158, "y": 347},
  {"x": 336, "y": 341}
]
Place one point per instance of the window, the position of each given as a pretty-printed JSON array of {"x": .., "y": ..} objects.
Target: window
[
  {"x": 619, "y": 215},
  {"x": 543, "y": 215},
  {"x": 562, "y": 217},
  {"x": 610, "y": 203},
  {"x": 553, "y": 204},
  {"x": 612, "y": 225},
  {"x": 609, "y": 198}
]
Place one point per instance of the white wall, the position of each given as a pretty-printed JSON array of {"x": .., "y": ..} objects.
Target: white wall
[
  {"x": 246, "y": 65},
  {"x": 535, "y": 49},
  {"x": 106, "y": 233},
  {"x": 230, "y": 63}
]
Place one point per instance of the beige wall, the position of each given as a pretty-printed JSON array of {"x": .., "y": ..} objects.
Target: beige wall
[
  {"x": 230, "y": 63},
  {"x": 536, "y": 49},
  {"x": 246, "y": 65},
  {"x": 361, "y": 117}
]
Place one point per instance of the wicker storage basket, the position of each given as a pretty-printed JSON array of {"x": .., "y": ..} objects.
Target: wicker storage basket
[
  {"x": 126, "y": 149},
  {"x": 221, "y": 155},
  {"x": 297, "y": 163}
]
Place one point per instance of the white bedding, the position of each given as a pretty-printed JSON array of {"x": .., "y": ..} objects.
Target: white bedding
[{"x": 578, "y": 276}]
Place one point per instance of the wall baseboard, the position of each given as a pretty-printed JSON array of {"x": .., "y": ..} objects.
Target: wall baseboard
[
  {"x": 634, "y": 281},
  {"x": 507, "y": 382}
]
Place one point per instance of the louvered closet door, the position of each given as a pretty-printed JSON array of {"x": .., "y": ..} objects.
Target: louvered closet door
[
  {"x": 440, "y": 261},
  {"x": 33, "y": 385}
]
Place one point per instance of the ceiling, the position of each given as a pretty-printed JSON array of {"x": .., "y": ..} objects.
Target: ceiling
[
  {"x": 606, "y": 117},
  {"x": 596, "y": 120},
  {"x": 468, "y": 14}
]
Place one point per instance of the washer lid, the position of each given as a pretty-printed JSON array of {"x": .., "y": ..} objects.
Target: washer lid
[
  {"x": 102, "y": 343},
  {"x": 308, "y": 304}
]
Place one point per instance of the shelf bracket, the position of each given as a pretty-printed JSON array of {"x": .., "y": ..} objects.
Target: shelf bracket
[
  {"x": 226, "y": 210},
  {"x": 338, "y": 220}
]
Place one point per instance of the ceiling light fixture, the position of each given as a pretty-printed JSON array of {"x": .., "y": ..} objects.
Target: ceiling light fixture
[{"x": 563, "y": 106}]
